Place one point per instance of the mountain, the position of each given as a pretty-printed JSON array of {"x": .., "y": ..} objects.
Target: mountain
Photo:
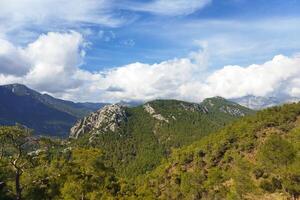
[
  {"x": 135, "y": 139},
  {"x": 256, "y": 157},
  {"x": 41, "y": 112},
  {"x": 258, "y": 102}
]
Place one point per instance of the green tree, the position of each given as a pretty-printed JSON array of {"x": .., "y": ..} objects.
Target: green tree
[
  {"x": 15, "y": 148},
  {"x": 88, "y": 177},
  {"x": 291, "y": 180},
  {"x": 277, "y": 152},
  {"x": 3, "y": 177}
]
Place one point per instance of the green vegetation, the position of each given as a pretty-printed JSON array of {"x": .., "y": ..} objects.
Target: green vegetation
[
  {"x": 256, "y": 157},
  {"x": 15, "y": 153},
  {"x": 143, "y": 141},
  {"x": 47, "y": 169}
]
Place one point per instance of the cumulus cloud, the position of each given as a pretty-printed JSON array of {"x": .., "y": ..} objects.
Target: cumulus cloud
[
  {"x": 275, "y": 76},
  {"x": 144, "y": 82},
  {"x": 48, "y": 64},
  {"x": 12, "y": 59},
  {"x": 187, "y": 80},
  {"x": 52, "y": 64},
  {"x": 55, "y": 59},
  {"x": 169, "y": 7}
]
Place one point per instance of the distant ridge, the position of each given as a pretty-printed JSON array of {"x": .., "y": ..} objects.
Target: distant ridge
[
  {"x": 259, "y": 102},
  {"x": 43, "y": 113}
]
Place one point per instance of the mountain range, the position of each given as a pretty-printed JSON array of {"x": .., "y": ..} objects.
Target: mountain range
[
  {"x": 161, "y": 149},
  {"x": 40, "y": 112},
  {"x": 47, "y": 115},
  {"x": 135, "y": 139},
  {"x": 259, "y": 102}
]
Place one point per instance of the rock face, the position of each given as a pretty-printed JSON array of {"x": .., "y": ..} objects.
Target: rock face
[
  {"x": 111, "y": 118},
  {"x": 232, "y": 111},
  {"x": 151, "y": 111},
  {"x": 194, "y": 107},
  {"x": 107, "y": 119}
]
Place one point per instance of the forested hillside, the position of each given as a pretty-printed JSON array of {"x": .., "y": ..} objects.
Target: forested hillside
[
  {"x": 136, "y": 139},
  {"x": 257, "y": 157}
]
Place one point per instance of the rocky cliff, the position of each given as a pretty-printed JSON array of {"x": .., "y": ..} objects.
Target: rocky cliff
[{"x": 107, "y": 119}]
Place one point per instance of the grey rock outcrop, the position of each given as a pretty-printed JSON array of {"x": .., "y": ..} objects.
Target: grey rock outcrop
[
  {"x": 194, "y": 107},
  {"x": 232, "y": 111},
  {"x": 149, "y": 109},
  {"x": 107, "y": 119}
]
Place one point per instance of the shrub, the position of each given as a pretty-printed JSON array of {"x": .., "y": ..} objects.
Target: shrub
[{"x": 267, "y": 186}]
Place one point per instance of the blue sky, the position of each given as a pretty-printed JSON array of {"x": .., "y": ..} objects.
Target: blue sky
[
  {"x": 151, "y": 38},
  {"x": 92, "y": 41}
]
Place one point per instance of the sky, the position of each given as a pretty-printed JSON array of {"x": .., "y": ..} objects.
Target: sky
[{"x": 140, "y": 50}]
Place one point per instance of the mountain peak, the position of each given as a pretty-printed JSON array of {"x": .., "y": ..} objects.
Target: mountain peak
[
  {"x": 16, "y": 85},
  {"x": 19, "y": 89},
  {"x": 217, "y": 102},
  {"x": 216, "y": 99},
  {"x": 106, "y": 119},
  {"x": 220, "y": 104},
  {"x": 43, "y": 113}
]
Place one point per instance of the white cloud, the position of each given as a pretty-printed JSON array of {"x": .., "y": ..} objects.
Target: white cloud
[
  {"x": 169, "y": 7},
  {"x": 12, "y": 59},
  {"x": 17, "y": 15},
  {"x": 47, "y": 15},
  {"x": 143, "y": 81},
  {"x": 55, "y": 59},
  {"x": 183, "y": 79},
  {"x": 273, "y": 78},
  {"x": 52, "y": 64},
  {"x": 48, "y": 64}
]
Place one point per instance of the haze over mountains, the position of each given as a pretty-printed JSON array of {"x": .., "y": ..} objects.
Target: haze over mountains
[{"x": 259, "y": 102}]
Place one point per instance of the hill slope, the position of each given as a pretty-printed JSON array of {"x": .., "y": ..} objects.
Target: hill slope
[
  {"x": 41, "y": 112},
  {"x": 257, "y": 157},
  {"x": 136, "y": 139}
]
